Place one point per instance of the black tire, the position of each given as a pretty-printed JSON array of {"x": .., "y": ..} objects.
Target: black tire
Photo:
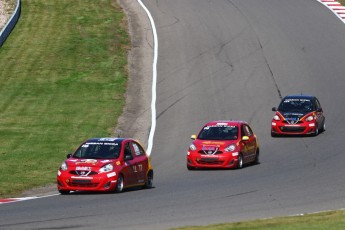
[
  {"x": 316, "y": 130},
  {"x": 119, "y": 184},
  {"x": 273, "y": 134},
  {"x": 257, "y": 156},
  {"x": 240, "y": 161},
  {"x": 149, "y": 180},
  {"x": 323, "y": 129},
  {"x": 190, "y": 167},
  {"x": 64, "y": 192}
]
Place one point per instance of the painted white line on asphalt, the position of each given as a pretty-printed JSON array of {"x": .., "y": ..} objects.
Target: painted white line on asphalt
[
  {"x": 154, "y": 79},
  {"x": 11, "y": 200},
  {"x": 333, "y": 5}
]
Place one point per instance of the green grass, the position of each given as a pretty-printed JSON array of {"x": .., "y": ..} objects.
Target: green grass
[
  {"x": 62, "y": 80},
  {"x": 334, "y": 220}
]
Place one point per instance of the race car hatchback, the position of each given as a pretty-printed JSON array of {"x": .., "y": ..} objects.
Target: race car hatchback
[
  {"x": 105, "y": 164},
  {"x": 223, "y": 144},
  {"x": 298, "y": 115}
]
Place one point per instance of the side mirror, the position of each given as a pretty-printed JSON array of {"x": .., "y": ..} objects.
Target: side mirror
[
  {"x": 193, "y": 137},
  {"x": 69, "y": 155},
  {"x": 274, "y": 109},
  {"x": 245, "y": 138}
]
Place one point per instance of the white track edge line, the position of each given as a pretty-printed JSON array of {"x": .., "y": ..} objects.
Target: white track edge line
[{"x": 154, "y": 79}]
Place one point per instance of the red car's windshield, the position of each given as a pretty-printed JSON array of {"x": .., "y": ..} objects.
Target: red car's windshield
[
  {"x": 219, "y": 133},
  {"x": 98, "y": 150}
]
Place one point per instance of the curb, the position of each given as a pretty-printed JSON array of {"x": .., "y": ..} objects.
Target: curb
[{"x": 335, "y": 7}]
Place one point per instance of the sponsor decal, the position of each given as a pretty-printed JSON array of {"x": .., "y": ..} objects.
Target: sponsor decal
[
  {"x": 107, "y": 139},
  {"x": 83, "y": 168},
  {"x": 105, "y": 161},
  {"x": 217, "y": 143},
  {"x": 81, "y": 177},
  {"x": 87, "y": 161}
]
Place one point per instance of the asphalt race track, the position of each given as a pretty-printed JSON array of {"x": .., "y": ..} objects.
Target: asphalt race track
[{"x": 226, "y": 59}]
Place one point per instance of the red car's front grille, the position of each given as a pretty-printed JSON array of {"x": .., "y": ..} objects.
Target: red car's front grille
[
  {"x": 82, "y": 183},
  {"x": 292, "y": 129},
  {"x": 205, "y": 152},
  {"x": 292, "y": 122},
  {"x": 80, "y": 173},
  {"x": 210, "y": 161}
]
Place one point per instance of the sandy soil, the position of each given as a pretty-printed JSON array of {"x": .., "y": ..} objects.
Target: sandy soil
[{"x": 6, "y": 9}]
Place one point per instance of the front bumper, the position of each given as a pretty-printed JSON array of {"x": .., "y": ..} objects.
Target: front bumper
[
  {"x": 212, "y": 161},
  {"x": 100, "y": 182},
  {"x": 280, "y": 128}
]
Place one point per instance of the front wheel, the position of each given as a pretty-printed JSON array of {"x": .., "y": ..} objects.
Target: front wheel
[
  {"x": 240, "y": 161},
  {"x": 63, "y": 192},
  {"x": 119, "y": 184},
  {"x": 323, "y": 129},
  {"x": 190, "y": 167},
  {"x": 316, "y": 130},
  {"x": 273, "y": 134}
]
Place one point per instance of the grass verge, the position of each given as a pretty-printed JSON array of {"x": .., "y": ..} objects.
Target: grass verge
[
  {"x": 334, "y": 220},
  {"x": 63, "y": 78}
]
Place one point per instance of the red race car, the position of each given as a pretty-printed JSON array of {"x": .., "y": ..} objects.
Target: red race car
[
  {"x": 223, "y": 144},
  {"x": 298, "y": 115},
  {"x": 105, "y": 164}
]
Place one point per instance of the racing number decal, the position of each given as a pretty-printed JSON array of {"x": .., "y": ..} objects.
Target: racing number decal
[{"x": 137, "y": 167}]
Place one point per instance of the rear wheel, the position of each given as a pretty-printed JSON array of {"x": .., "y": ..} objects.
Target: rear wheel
[
  {"x": 240, "y": 161},
  {"x": 257, "y": 155},
  {"x": 119, "y": 184},
  {"x": 149, "y": 180}
]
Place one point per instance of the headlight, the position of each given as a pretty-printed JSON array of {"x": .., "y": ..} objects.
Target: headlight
[
  {"x": 230, "y": 148},
  {"x": 64, "y": 166},
  {"x": 107, "y": 168},
  {"x": 310, "y": 118},
  {"x": 276, "y": 118},
  {"x": 192, "y": 147}
]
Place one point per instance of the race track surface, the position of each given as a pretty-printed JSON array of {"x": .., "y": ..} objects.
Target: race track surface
[{"x": 226, "y": 59}]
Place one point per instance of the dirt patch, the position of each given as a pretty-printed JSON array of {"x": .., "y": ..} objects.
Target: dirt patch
[{"x": 6, "y": 9}]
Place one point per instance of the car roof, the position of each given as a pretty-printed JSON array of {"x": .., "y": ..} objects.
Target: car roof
[
  {"x": 299, "y": 96},
  {"x": 225, "y": 122}
]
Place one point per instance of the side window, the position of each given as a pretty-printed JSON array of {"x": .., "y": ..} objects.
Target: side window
[
  {"x": 138, "y": 149},
  {"x": 244, "y": 131},
  {"x": 248, "y": 130},
  {"x": 128, "y": 152},
  {"x": 317, "y": 103}
]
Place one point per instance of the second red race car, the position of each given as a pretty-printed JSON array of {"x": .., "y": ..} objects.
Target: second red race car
[
  {"x": 105, "y": 164},
  {"x": 298, "y": 115},
  {"x": 223, "y": 144}
]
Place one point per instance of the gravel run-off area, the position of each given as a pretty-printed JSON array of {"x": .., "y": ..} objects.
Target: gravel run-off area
[{"x": 6, "y": 9}]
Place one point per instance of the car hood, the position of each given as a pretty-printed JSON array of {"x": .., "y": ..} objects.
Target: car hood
[
  {"x": 293, "y": 115},
  {"x": 89, "y": 162},
  {"x": 212, "y": 144}
]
